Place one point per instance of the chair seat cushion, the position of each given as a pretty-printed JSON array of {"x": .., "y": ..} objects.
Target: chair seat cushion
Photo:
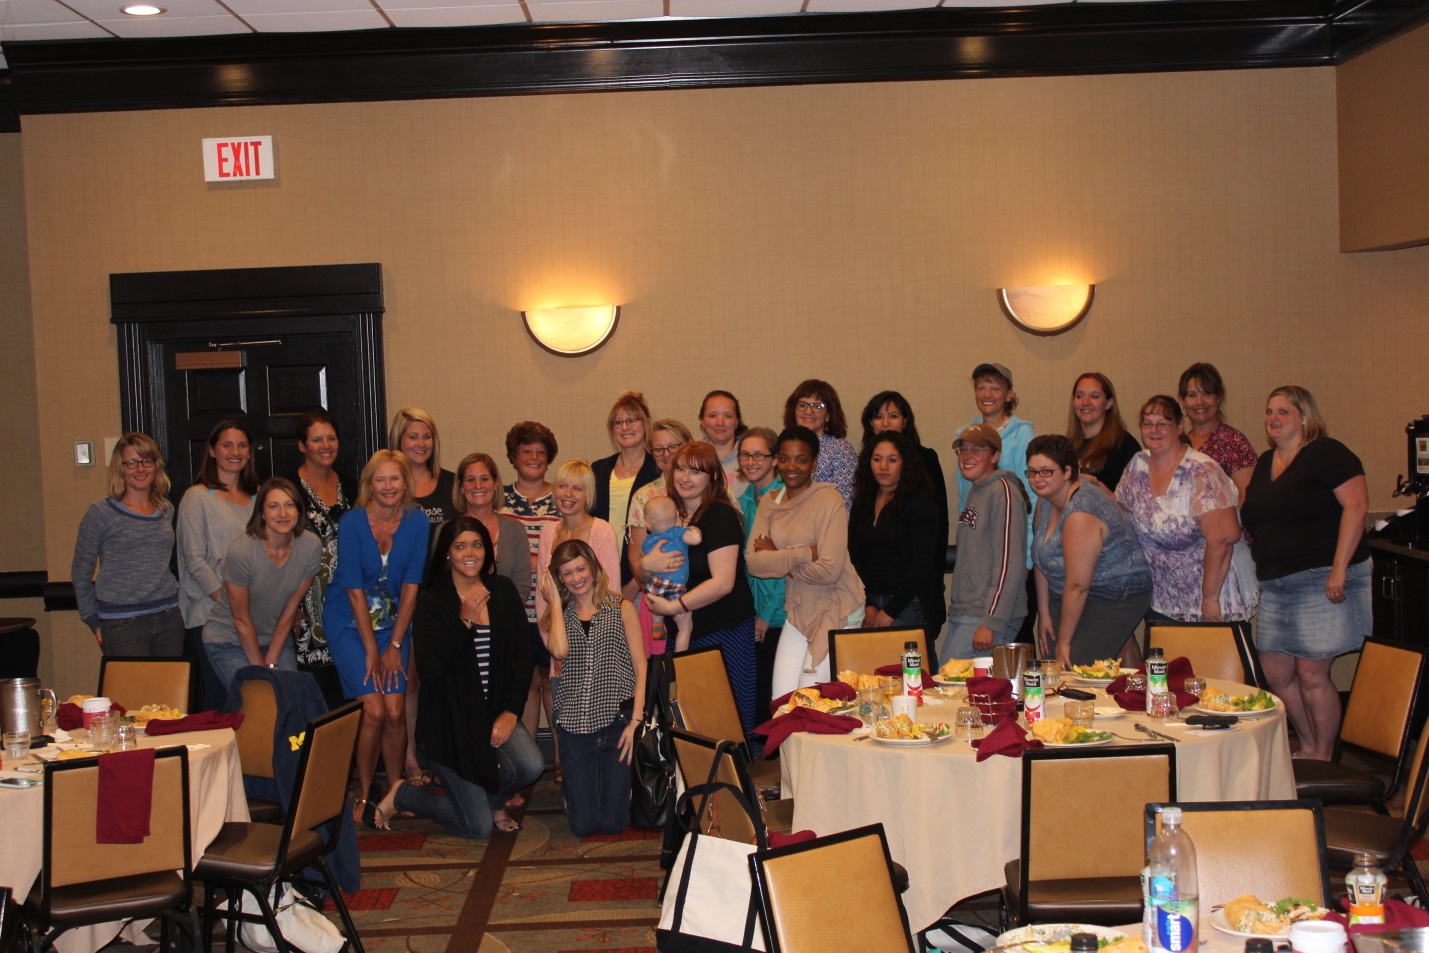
[
  {"x": 265, "y": 812},
  {"x": 1332, "y": 781},
  {"x": 1349, "y": 832},
  {"x": 144, "y": 896},
  {"x": 249, "y": 852},
  {"x": 1101, "y": 900}
]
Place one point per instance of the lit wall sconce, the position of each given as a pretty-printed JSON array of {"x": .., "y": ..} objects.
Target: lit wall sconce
[
  {"x": 570, "y": 332},
  {"x": 1046, "y": 309}
]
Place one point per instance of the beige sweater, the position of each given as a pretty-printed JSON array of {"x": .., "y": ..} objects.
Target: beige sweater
[{"x": 818, "y": 595}]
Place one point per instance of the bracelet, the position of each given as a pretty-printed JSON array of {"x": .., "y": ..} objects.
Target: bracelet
[{"x": 681, "y": 601}]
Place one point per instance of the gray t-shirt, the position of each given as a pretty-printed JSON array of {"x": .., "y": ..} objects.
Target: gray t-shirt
[{"x": 269, "y": 587}]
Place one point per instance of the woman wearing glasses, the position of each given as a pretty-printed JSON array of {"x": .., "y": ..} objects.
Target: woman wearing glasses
[
  {"x": 132, "y": 602},
  {"x": 667, "y": 436},
  {"x": 815, "y": 405},
  {"x": 756, "y": 463},
  {"x": 1093, "y": 581},
  {"x": 619, "y": 475}
]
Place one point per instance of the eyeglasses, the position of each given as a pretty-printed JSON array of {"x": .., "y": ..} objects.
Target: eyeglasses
[
  {"x": 1157, "y": 425},
  {"x": 755, "y": 457},
  {"x": 972, "y": 448},
  {"x": 624, "y": 422},
  {"x": 810, "y": 405},
  {"x": 1042, "y": 473},
  {"x": 667, "y": 451},
  {"x": 146, "y": 463}
]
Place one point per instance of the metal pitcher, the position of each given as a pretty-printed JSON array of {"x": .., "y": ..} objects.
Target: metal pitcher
[
  {"x": 1010, "y": 661},
  {"x": 20, "y": 704}
]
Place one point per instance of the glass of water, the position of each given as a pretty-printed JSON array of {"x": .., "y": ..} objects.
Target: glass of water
[
  {"x": 1162, "y": 706},
  {"x": 967, "y": 723},
  {"x": 17, "y": 745},
  {"x": 1195, "y": 686}
]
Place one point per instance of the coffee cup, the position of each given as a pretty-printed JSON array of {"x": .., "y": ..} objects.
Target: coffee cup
[
  {"x": 982, "y": 665},
  {"x": 1317, "y": 936},
  {"x": 905, "y": 705},
  {"x": 93, "y": 706}
]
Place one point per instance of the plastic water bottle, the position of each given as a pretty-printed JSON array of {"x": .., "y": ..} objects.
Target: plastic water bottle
[
  {"x": 1033, "y": 698},
  {"x": 1156, "y": 667},
  {"x": 1366, "y": 883},
  {"x": 1175, "y": 891},
  {"x": 913, "y": 671}
]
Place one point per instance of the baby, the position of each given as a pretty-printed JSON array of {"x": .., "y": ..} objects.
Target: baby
[{"x": 662, "y": 520}]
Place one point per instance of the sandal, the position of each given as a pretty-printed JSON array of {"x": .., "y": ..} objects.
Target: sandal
[
  {"x": 515, "y": 801},
  {"x": 422, "y": 779},
  {"x": 507, "y": 825},
  {"x": 372, "y": 817}
]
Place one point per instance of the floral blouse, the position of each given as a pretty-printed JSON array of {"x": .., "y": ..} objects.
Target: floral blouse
[{"x": 322, "y": 521}]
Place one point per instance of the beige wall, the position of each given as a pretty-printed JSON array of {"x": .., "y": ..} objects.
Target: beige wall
[
  {"x": 757, "y": 237},
  {"x": 1383, "y": 99}
]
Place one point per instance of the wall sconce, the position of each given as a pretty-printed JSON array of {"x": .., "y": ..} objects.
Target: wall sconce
[
  {"x": 1046, "y": 309},
  {"x": 570, "y": 332}
]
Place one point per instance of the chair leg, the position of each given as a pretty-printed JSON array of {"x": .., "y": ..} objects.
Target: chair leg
[
  {"x": 353, "y": 939},
  {"x": 1411, "y": 870},
  {"x": 270, "y": 917}
]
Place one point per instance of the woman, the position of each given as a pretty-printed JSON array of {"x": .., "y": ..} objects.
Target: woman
[
  {"x": 722, "y": 423},
  {"x": 1305, "y": 509},
  {"x": 1094, "y": 426},
  {"x": 530, "y": 448},
  {"x": 756, "y": 461},
  {"x": 718, "y": 595},
  {"x": 323, "y": 498},
  {"x": 595, "y": 634},
  {"x": 381, "y": 553},
  {"x": 815, "y": 404},
  {"x": 801, "y": 533},
  {"x": 996, "y": 403},
  {"x": 1183, "y": 508},
  {"x": 476, "y": 668},
  {"x": 213, "y": 513},
  {"x": 1093, "y": 582},
  {"x": 667, "y": 436},
  {"x": 1203, "y": 394},
  {"x": 132, "y": 603},
  {"x": 414, "y": 434},
  {"x": 620, "y": 475},
  {"x": 478, "y": 487},
  {"x": 575, "y": 495},
  {"x": 266, "y": 575},
  {"x": 890, "y": 410},
  {"x": 892, "y": 534}
]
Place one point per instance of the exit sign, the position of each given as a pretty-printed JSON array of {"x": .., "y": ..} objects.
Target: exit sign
[{"x": 237, "y": 158}]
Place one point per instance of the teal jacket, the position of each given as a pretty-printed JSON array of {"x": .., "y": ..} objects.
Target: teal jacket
[{"x": 768, "y": 593}]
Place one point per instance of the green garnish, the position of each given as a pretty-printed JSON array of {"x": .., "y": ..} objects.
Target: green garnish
[{"x": 1282, "y": 907}]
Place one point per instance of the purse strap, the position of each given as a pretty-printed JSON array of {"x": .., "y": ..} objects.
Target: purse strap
[{"x": 709, "y": 789}]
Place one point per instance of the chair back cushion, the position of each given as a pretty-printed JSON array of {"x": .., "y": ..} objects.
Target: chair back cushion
[
  {"x": 1211, "y": 649},
  {"x": 136, "y": 682},
  {"x": 255, "y": 735},
  {"x": 322, "y": 783},
  {"x": 1382, "y": 698},
  {"x": 864, "y": 650},
  {"x": 706, "y": 701},
  {"x": 725, "y": 817}
]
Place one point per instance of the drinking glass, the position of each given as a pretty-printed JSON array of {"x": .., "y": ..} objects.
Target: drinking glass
[
  {"x": 1081, "y": 713},
  {"x": 1136, "y": 682},
  {"x": 17, "y": 744},
  {"x": 126, "y": 736},
  {"x": 1162, "y": 706},
  {"x": 1195, "y": 686},
  {"x": 967, "y": 723},
  {"x": 870, "y": 705},
  {"x": 1051, "y": 675},
  {"x": 891, "y": 686},
  {"x": 101, "y": 729}
]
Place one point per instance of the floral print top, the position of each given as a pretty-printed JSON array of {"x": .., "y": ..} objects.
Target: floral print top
[{"x": 322, "y": 521}]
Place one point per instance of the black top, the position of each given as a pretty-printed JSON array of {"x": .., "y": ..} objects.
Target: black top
[
  {"x": 895, "y": 556},
  {"x": 1294, "y": 520},
  {"x": 1109, "y": 473},
  {"x": 454, "y": 721},
  {"x": 438, "y": 504},
  {"x": 720, "y": 526},
  {"x": 604, "y": 469}
]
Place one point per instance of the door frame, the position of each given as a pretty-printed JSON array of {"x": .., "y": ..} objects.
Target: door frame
[{"x": 147, "y": 308}]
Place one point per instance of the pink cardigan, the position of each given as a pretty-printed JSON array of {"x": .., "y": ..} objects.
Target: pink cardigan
[{"x": 602, "y": 540}]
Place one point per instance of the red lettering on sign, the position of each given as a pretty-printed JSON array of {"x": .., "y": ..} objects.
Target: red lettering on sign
[
  {"x": 219, "y": 149},
  {"x": 257, "y": 145},
  {"x": 240, "y": 157}
]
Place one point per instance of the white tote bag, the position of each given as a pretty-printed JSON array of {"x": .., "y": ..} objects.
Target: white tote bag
[{"x": 709, "y": 904}]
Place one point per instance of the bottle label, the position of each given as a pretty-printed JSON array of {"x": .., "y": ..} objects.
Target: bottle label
[
  {"x": 1367, "y": 901},
  {"x": 1155, "y": 678},
  {"x": 1032, "y": 698},
  {"x": 1176, "y": 926},
  {"x": 913, "y": 674}
]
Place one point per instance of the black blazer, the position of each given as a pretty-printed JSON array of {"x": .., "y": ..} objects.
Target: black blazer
[
  {"x": 454, "y": 720},
  {"x": 604, "y": 468}
]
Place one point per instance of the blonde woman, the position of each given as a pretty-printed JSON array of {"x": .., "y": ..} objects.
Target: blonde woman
[
  {"x": 131, "y": 602},
  {"x": 667, "y": 436},
  {"x": 574, "y": 495},
  {"x": 620, "y": 475},
  {"x": 414, "y": 434}
]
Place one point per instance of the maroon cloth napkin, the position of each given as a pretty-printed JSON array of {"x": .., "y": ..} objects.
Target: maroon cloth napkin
[
  {"x": 778, "y": 839},
  {"x": 897, "y": 669},
  {"x": 1007, "y": 738},
  {"x": 776, "y": 730},
  {"x": 835, "y": 690},
  {"x": 70, "y": 717},
  {"x": 1398, "y": 915},
  {"x": 126, "y": 796},
  {"x": 200, "y": 721},
  {"x": 1177, "y": 671},
  {"x": 997, "y": 689}
]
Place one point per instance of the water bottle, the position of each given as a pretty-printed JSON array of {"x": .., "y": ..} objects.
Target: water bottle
[
  {"x": 1366, "y": 883},
  {"x": 1033, "y": 698},
  {"x": 1174, "y": 902},
  {"x": 1156, "y": 667},
  {"x": 913, "y": 671}
]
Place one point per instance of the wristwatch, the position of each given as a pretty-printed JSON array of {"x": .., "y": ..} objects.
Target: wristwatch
[{"x": 397, "y": 644}]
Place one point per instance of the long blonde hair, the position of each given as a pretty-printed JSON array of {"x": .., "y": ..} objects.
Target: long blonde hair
[{"x": 403, "y": 419}]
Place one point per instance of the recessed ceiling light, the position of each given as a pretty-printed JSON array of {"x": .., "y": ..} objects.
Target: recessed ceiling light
[{"x": 142, "y": 10}]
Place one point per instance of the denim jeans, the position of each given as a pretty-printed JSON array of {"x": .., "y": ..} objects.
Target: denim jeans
[
  {"x": 159, "y": 634},
  {"x": 228, "y": 657},
  {"x": 597, "y": 782},
  {"x": 464, "y": 808}
]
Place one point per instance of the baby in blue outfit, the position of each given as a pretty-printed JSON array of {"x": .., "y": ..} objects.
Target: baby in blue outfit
[{"x": 662, "y": 520}]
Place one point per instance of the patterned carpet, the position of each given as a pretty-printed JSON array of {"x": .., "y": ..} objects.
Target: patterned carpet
[{"x": 536, "y": 891}]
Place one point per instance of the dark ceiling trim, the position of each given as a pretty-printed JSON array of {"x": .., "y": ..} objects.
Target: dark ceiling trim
[{"x": 1056, "y": 40}]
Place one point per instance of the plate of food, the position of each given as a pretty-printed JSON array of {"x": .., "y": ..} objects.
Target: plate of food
[
  {"x": 904, "y": 732},
  {"x": 806, "y": 698},
  {"x": 1061, "y": 733},
  {"x": 1057, "y": 938},
  {"x": 155, "y": 712},
  {"x": 955, "y": 671},
  {"x": 1247, "y": 917},
  {"x": 1100, "y": 673},
  {"x": 1109, "y": 712},
  {"x": 1216, "y": 702}
]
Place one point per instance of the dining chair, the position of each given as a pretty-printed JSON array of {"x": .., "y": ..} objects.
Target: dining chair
[
  {"x": 864, "y": 650},
  {"x": 83, "y": 882},
  {"x": 255, "y": 743},
  {"x": 256, "y": 857},
  {"x": 803, "y": 910},
  {"x": 1081, "y": 842},
  {"x": 1222, "y": 650},
  {"x": 1376, "y": 728},
  {"x": 695, "y": 756},
  {"x": 1388, "y": 840},
  {"x": 702, "y": 700},
  {"x": 136, "y": 681},
  {"x": 1267, "y": 848},
  {"x": 9, "y": 920}
]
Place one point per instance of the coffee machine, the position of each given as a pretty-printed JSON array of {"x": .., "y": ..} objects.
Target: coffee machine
[{"x": 1412, "y": 529}]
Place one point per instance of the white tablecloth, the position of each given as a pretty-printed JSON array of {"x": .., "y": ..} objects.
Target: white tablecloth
[
  {"x": 215, "y": 796},
  {"x": 954, "y": 823}
]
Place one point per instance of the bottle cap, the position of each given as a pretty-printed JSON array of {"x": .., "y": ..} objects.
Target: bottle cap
[
  {"x": 1364, "y": 860},
  {"x": 1084, "y": 943},
  {"x": 1260, "y": 945},
  {"x": 910, "y": 646},
  {"x": 1170, "y": 815}
]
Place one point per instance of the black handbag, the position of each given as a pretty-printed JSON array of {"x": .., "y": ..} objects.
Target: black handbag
[{"x": 652, "y": 789}]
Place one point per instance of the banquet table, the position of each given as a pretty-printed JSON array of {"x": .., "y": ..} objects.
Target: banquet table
[
  {"x": 953, "y": 823},
  {"x": 215, "y": 797}
]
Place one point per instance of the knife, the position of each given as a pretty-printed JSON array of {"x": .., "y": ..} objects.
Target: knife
[{"x": 1155, "y": 734}]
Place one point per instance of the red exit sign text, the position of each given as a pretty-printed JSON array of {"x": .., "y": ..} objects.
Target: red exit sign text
[{"x": 237, "y": 157}]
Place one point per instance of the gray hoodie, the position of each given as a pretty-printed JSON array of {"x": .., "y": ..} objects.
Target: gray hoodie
[{"x": 990, "y": 580}]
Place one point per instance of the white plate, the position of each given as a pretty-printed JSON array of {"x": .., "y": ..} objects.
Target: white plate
[
  {"x": 1052, "y": 932},
  {"x": 910, "y": 742},
  {"x": 1089, "y": 681},
  {"x": 1080, "y": 744},
  {"x": 1240, "y": 714},
  {"x": 1219, "y": 921},
  {"x": 1109, "y": 713},
  {"x": 957, "y": 682}
]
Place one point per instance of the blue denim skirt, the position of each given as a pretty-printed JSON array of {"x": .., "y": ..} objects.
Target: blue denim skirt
[{"x": 1296, "y": 618}]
